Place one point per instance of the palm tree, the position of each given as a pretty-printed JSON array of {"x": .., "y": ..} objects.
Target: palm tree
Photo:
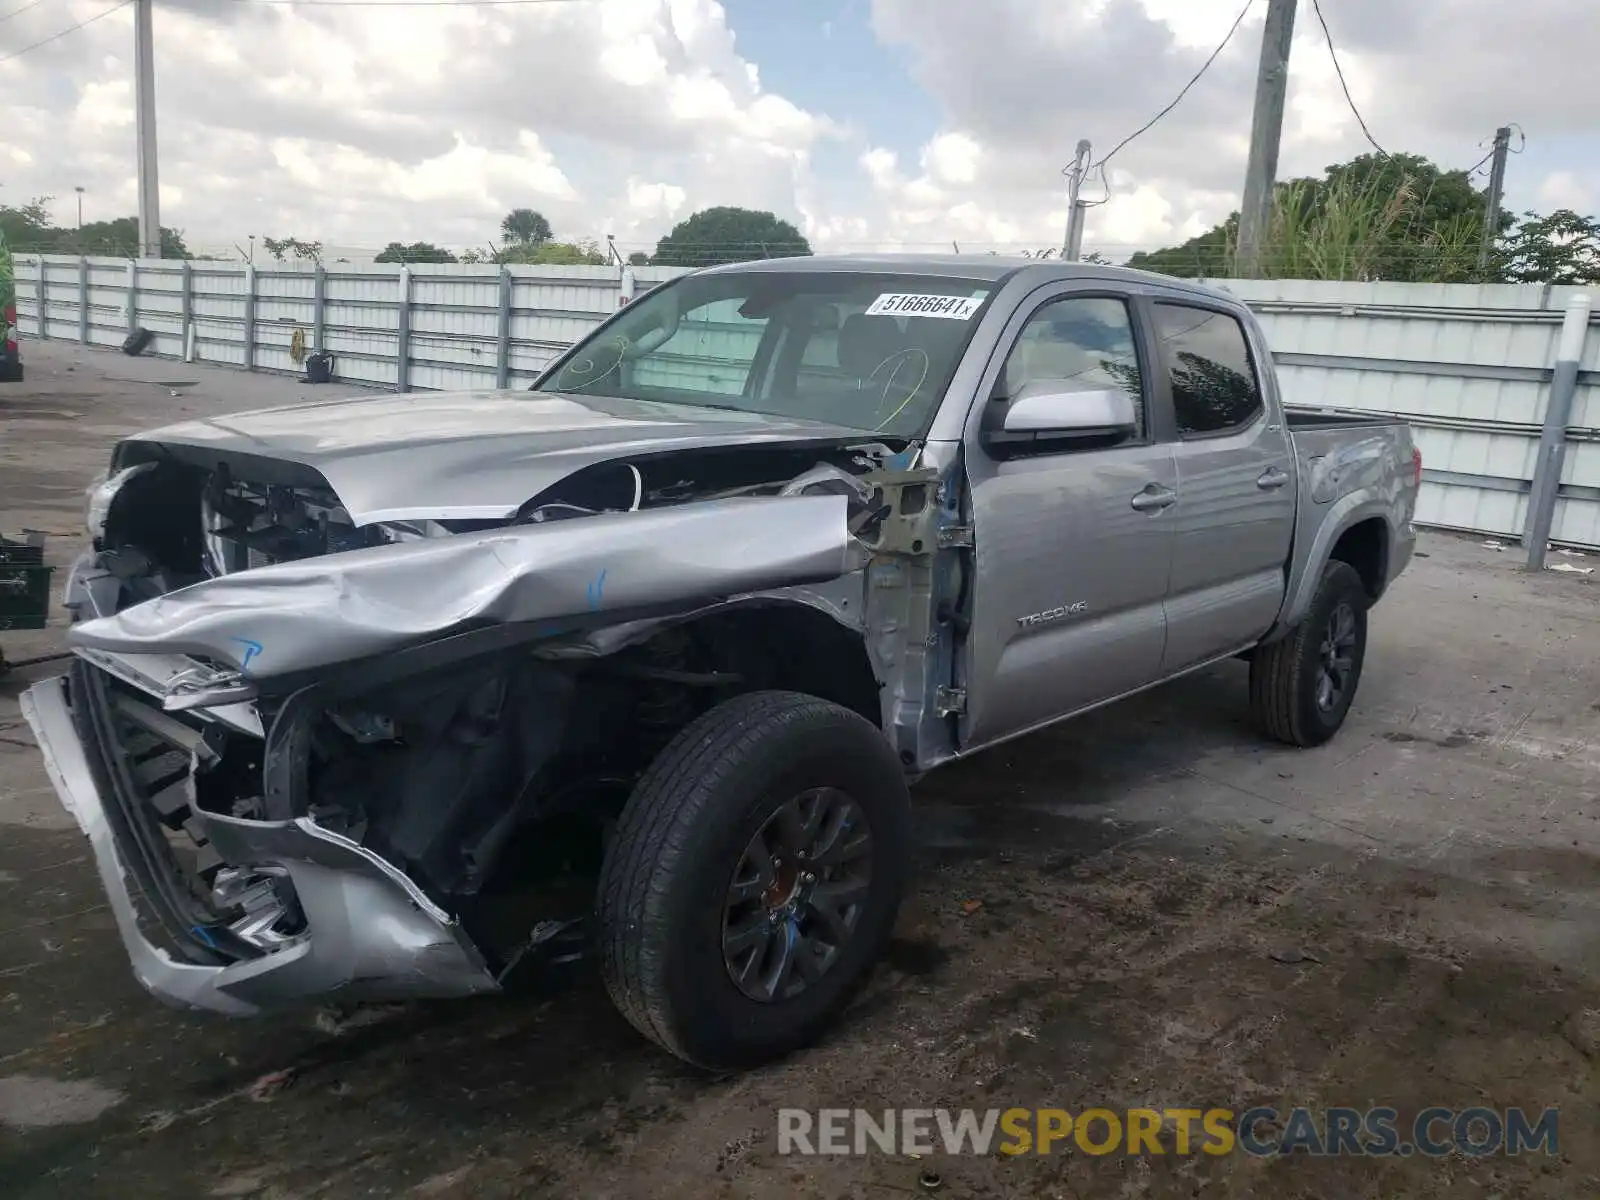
[{"x": 526, "y": 227}]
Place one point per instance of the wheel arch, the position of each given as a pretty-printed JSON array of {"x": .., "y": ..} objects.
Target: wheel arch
[
  {"x": 1357, "y": 530},
  {"x": 792, "y": 644}
]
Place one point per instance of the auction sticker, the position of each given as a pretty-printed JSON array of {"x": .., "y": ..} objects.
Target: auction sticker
[{"x": 907, "y": 304}]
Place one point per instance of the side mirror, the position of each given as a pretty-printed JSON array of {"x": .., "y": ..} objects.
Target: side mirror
[{"x": 1049, "y": 408}]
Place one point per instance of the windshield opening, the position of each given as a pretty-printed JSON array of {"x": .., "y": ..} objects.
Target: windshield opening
[{"x": 868, "y": 351}]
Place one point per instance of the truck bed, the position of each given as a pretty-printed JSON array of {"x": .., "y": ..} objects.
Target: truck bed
[{"x": 1299, "y": 419}]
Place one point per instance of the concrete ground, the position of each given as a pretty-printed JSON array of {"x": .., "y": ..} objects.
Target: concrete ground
[{"x": 1147, "y": 907}]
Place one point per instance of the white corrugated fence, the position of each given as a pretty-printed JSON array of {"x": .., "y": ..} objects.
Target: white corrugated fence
[{"x": 1471, "y": 367}]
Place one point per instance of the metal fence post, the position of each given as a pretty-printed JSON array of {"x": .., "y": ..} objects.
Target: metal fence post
[
  {"x": 402, "y": 341},
  {"x": 133, "y": 294},
  {"x": 250, "y": 317},
  {"x": 83, "y": 300},
  {"x": 502, "y": 331},
  {"x": 1553, "y": 441},
  {"x": 186, "y": 311},
  {"x": 42, "y": 302},
  {"x": 319, "y": 307}
]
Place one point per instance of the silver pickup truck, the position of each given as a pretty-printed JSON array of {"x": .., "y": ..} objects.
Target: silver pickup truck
[{"x": 389, "y": 697}]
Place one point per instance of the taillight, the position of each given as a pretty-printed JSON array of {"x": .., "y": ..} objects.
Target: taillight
[{"x": 1416, "y": 467}]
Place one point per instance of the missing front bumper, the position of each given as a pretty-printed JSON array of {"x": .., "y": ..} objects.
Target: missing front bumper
[{"x": 371, "y": 933}]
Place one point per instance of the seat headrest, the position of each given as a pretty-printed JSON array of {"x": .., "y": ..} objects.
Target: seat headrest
[{"x": 865, "y": 341}]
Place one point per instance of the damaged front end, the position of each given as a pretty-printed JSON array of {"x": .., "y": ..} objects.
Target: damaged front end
[{"x": 329, "y": 762}]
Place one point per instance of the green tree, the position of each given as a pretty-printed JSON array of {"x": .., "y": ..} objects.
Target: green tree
[
  {"x": 28, "y": 226},
  {"x": 8, "y": 287},
  {"x": 118, "y": 238},
  {"x": 1560, "y": 248},
  {"x": 416, "y": 252},
  {"x": 638, "y": 259},
  {"x": 525, "y": 227},
  {"x": 1396, "y": 217},
  {"x": 1208, "y": 254},
  {"x": 556, "y": 254},
  {"x": 281, "y": 248},
  {"x": 724, "y": 235}
]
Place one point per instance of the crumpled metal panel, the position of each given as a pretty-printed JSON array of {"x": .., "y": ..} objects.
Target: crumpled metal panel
[
  {"x": 469, "y": 455},
  {"x": 373, "y": 933},
  {"x": 340, "y": 607}
]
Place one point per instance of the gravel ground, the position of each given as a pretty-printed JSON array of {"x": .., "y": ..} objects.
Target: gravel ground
[{"x": 1100, "y": 920}]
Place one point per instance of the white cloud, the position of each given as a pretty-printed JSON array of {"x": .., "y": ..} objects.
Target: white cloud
[
  {"x": 953, "y": 158},
  {"x": 362, "y": 126},
  {"x": 1019, "y": 81},
  {"x": 1564, "y": 189}
]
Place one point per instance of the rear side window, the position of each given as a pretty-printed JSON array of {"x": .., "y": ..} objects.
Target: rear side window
[{"x": 1214, "y": 384}]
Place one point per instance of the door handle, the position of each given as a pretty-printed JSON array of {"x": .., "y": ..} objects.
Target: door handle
[
  {"x": 1272, "y": 478},
  {"x": 1154, "y": 498}
]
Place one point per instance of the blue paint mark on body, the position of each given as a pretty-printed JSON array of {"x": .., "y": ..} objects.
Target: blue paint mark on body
[
  {"x": 251, "y": 649},
  {"x": 597, "y": 590}
]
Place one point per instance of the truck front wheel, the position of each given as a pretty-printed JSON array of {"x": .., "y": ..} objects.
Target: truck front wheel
[
  {"x": 754, "y": 878},
  {"x": 1301, "y": 686}
]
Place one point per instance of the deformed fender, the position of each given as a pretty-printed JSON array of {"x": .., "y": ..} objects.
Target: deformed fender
[
  {"x": 1338, "y": 519},
  {"x": 316, "y": 612}
]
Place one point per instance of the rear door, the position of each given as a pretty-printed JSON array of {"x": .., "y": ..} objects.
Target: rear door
[
  {"x": 1073, "y": 540},
  {"x": 1234, "y": 519}
]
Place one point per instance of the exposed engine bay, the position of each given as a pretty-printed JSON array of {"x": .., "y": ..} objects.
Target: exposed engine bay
[
  {"x": 485, "y": 765},
  {"x": 245, "y": 522}
]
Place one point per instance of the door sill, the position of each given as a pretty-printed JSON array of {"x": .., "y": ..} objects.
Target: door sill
[{"x": 966, "y": 751}]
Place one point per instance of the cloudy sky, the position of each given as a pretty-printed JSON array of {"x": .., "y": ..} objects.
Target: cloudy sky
[{"x": 870, "y": 123}]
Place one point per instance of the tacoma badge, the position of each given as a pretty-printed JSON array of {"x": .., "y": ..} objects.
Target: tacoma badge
[{"x": 1054, "y": 614}]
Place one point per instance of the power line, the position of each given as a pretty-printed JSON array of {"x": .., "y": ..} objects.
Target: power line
[
  {"x": 17, "y": 12},
  {"x": 1316, "y": 7},
  {"x": 1178, "y": 99},
  {"x": 69, "y": 29}
]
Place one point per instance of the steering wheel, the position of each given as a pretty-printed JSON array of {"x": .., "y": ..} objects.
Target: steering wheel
[
  {"x": 903, "y": 374},
  {"x": 593, "y": 365}
]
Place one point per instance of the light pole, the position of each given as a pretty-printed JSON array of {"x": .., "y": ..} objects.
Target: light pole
[
  {"x": 1072, "y": 247},
  {"x": 79, "y": 190},
  {"x": 1266, "y": 133},
  {"x": 145, "y": 127}
]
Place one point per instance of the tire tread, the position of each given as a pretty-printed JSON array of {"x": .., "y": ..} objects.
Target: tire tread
[
  {"x": 1277, "y": 671},
  {"x": 654, "y": 833}
]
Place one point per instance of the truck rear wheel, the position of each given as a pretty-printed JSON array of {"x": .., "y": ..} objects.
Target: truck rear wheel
[
  {"x": 753, "y": 879},
  {"x": 1301, "y": 686}
]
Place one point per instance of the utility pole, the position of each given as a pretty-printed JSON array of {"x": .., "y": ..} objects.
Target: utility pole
[
  {"x": 145, "y": 123},
  {"x": 1266, "y": 132},
  {"x": 1491, "y": 212},
  {"x": 1072, "y": 248},
  {"x": 79, "y": 190}
]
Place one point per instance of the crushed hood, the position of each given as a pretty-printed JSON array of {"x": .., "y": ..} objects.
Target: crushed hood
[
  {"x": 465, "y": 455},
  {"x": 312, "y": 613}
]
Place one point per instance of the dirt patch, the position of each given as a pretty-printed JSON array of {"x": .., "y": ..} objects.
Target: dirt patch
[
  {"x": 36, "y": 1102},
  {"x": 1142, "y": 976},
  {"x": 1147, "y": 907}
]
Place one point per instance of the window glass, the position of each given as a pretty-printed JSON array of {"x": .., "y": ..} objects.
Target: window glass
[
  {"x": 871, "y": 351},
  {"x": 711, "y": 352},
  {"x": 1083, "y": 343},
  {"x": 1214, "y": 385}
]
